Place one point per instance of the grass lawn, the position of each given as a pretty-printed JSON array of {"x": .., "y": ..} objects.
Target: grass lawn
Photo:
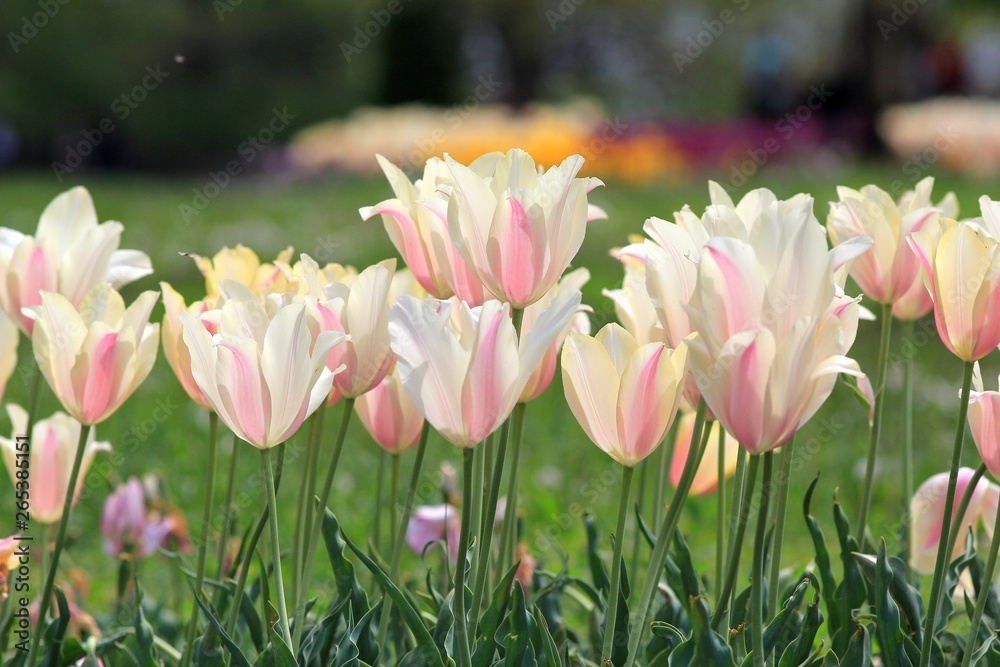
[{"x": 160, "y": 431}]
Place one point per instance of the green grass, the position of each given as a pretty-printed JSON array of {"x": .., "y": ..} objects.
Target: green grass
[{"x": 564, "y": 475}]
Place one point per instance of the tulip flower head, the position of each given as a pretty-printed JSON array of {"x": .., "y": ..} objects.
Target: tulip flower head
[
  {"x": 434, "y": 523},
  {"x": 9, "y": 339},
  {"x": 961, "y": 268},
  {"x": 706, "y": 478},
  {"x": 927, "y": 515},
  {"x": 518, "y": 229},
  {"x": 174, "y": 348},
  {"x": 94, "y": 356},
  {"x": 262, "y": 375},
  {"x": 8, "y": 562},
  {"x": 70, "y": 254},
  {"x": 773, "y": 328},
  {"x": 127, "y": 526},
  {"x": 984, "y": 422},
  {"x": 416, "y": 220},
  {"x": 53, "y": 447},
  {"x": 624, "y": 395},
  {"x": 466, "y": 373},
  {"x": 633, "y": 307},
  {"x": 389, "y": 416},
  {"x": 241, "y": 265}
]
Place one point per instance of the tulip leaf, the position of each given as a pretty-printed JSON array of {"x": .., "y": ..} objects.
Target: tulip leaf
[
  {"x": 544, "y": 643},
  {"x": 207, "y": 650},
  {"x": 343, "y": 569},
  {"x": 597, "y": 571},
  {"x": 252, "y": 620},
  {"x": 800, "y": 650},
  {"x": 516, "y": 631},
  {"x": 56, "y": 631},
  {"x": 859, "y": 649},
  {"x": 890, "y": 634},
  {"x": 494, "y": 615},
  {"x": 235, "y": 653},
  {"x": 782, "y": 622},
  {"x": 710, "y": 647},
  {"x": 411, "y": 617},
  {"x": 852, "y": 592},
  {"x": 143, "y": 632},
  {"x": 823, "y": 565}
]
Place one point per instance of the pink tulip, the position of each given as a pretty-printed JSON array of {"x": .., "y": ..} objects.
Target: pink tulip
[
  {"x": 984, "y": 422},
  {"x": 127, "y": 525},
  {"x": 465, "y": 374},
  {"x": 70, "y": 254},
  {"x": 927, "y": 514},
  {"x": 9, "y": 338},
  {"x": 633, "y": 307},
  {"x": 389, "y": 416},
  {"x": 432, "y": 523},
  {"x": 518, "y": 229},
  {"x": 706, "y": 479},
  {"x": 543, "y": 374},
  {"x": 174, "y": 348},
  {"x": 53, "y": 447},
  {"x": 94, "y": 357},
  {"x": 773, "y": 326},
  {"x": 889, "y": 270},
  {"x": 262, "y": 375},
  {"x": 962, "y": 272},
  {"x": 417, "y": 223},
  {"x": 623, "y": 394}
]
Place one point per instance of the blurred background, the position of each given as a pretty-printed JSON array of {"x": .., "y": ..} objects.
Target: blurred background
[{"x": 204, "y": 123}]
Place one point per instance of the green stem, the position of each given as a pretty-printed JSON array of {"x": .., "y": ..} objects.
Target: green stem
[
  {"x": 461, "y": 620},
  {"x": 229, "y": 512},
  {"x": 279, "y": 586},
  {"x": 963, "y": 506},
  {"x": 984, "y": 594},
  {"x": 907, "y": 431},
  {"x": 379, "y": 493},
  {"x": 757, "y": 576},
  {"x": 643, "y": 467},
  {"x": 33, "y": 390},
  {"x": 485, "y": 544},
  {"x": 784, "y": 477},
  {"x": 393, "y": 500},
  {"x": 663, "y": 538},
  {"x": 508, "y": 534},
  {"x": 50, "y": 578},
  {"x": 312, "y": 539},
  {"x": 400, "y": 538},
  {"x": 476, "y": 502},
  {"x": 876, "y": 429},
  {"x": 720, "y": 515},
  {"x": 311, "y": 474},
  {"x": 611, "y": 616},
  {"x": 736, "y": 543},
  {"x": 303, "y": 503},
  {"x": 949, "y": 504}
]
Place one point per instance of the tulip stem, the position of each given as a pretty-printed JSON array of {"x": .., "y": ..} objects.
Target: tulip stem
[
  {"x": 250, "y": 547},
  {"x": 393, "y": 500},
  {"x": 658, "y": 558},
  {"x": 876, "y": 430},
  {"x": 784, "y": 478},
  {"x": 461, "y": 619},
  {"x": 279, "y": 585},
  {"x": 379, "y": 493},
  {"x": 949, "y": 504},
  {"x": 508, "y": 533},
  {"x": 611, "y": 613},
  {"x": 736, "y": 543},
  {"x": 400, "y": 537},
  {"x": 229, "y": 512},
  {"x": 963, "y": 506},
  {"x": 485, "y": 543},
  {"x": 33, "y": 389},
  {"x": 50, "y": 577},
  {"x": 757, "y": 576},
  {"x": 643, "y": 467},
  {"x": 206, "y": 521},
  {"x": 720, "y": 515},
  {"x": 907, "y": 431},
  {"x": 312, "y": 538},
  {"x": 306, "y": 509},
  {"x": 984, "y": 593}
]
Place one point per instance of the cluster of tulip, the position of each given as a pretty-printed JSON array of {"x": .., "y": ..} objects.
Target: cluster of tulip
[{"x": 737, "y": 318}]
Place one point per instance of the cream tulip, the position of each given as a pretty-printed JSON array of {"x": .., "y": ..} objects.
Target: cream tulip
[
  {"x": 174, "y": 348},
  {"x": 242, "y": 265},
  {"x": 984, "y": 422},
  {"x": 706, "y": 478},
  {"x": 389, "y": 416},
  {"x": 9, "y": 338}
]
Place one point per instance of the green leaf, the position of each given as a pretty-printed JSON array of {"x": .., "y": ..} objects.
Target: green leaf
[
  {"x": 800, "y": 650},
  {"x": 56, "y": 631},
  {"x": 239, "y": 660},
  {"x": 711, "y": 647},
  {"x": 852, "y": 592},
  {"x": 597, "y": 571},
  {"x": 780, "y": 625},
  {"x": 859, "y": 650},
  {"x": 545, "y": 645},
  {"x": 343, "y": 569},
  {"x": 823, "y": 565},
  {"x": 516, "y": 630},
  {"x": 143, "y": 634},
  {"x": 207, "y": 651},
  {"x": 492, "y": 618},
  {"x": 890, "y": 634}
]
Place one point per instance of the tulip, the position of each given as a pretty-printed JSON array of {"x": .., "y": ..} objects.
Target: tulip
[
  {"x": 9, "y": 561},
  {"x": 257, "y": 373},
  {"x": 633, "y": 307},
  {"x": 706, "y": 478},
  {"x": 927, "y": 516},
  {"x": 416, "y": 221},
  {"x": 127, "y": 525},
  {"x": 174, "y": 348},
  {"x": 962, "y": 273},
  {"x": 53, "y": 446},
  {"x": 518, "y": 229},
  {"x": 94, "y": 357},
  {"x": 623, "y": 394},
  {"x": 466, "y": 378},
  {"x": 9, "y": 339},
  {"x": 389, "y": 416},
  {"x": 360, "y": 310},
  {"x": 984, "y": 422},
  {"x": 433, "y": 523},
  {"x": 541, "y": 377},
  {"x": 241, "y": 264},
  {"x": 70, "y": 254}
]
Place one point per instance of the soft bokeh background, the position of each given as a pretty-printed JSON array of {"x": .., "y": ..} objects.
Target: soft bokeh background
[{"x": 200, "y": 124}]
